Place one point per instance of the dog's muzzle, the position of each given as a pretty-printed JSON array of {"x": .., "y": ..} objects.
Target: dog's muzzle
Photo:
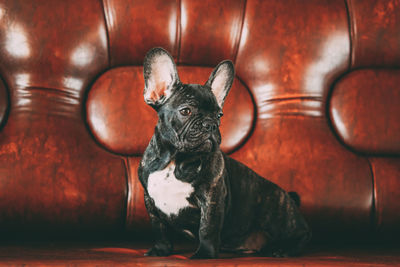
[{"x": 201, "y": 134}]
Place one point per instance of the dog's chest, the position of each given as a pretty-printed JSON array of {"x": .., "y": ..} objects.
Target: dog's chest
[{"x": 170, "y": 195}]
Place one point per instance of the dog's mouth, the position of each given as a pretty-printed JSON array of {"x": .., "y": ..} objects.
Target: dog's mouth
[{"x": 206, "y": 146}]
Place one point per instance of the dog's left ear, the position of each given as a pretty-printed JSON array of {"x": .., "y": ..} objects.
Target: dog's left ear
[
  {"x": 160, "y": 76},
  {"x": 221, "y": 80}
]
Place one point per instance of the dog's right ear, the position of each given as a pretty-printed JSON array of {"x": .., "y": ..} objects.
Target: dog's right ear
[{"x": 160, "y": 77}]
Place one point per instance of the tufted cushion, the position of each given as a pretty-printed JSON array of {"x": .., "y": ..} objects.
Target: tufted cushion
[
  {"x": 365, "y": 111},
  {"x": 289, "y": 60},
  {"x": 52, "y": 174}
]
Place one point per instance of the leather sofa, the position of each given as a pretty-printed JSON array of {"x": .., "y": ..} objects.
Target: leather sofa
[{"x": 315, "y": 106}]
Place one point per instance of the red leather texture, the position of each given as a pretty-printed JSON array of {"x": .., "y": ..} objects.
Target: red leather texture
[
  {"x": 117, "y": 114},
  {"x": 73, "y": 123},
  {"x": 53, "y": 174},
  {"x": 386, "y": 172},
  {"x": 365, "y": 111},
  {"x": 290, "y": 58},
  {"x": 210, "y": 31},
  {"x": 374, "y": 33},
  {"x": 136, "y": 26},
  {"x": 50, "y": 44}
]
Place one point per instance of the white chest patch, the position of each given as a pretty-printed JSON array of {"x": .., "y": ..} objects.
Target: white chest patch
[{"x": 169, "y": 194}]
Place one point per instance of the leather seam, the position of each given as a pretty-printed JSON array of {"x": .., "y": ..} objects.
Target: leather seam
[
  {"x": 375, "y": 221},
  {"x": 107, "y": 26},
  {"x": 4, "y": 119},
  {"x": 239, "y": 38},
  {"x": 178, "y": 38},
  {"x": 129, "y": 197},
  {"x": 351, "y": 25},
  {"x": 253, "y": 123}
]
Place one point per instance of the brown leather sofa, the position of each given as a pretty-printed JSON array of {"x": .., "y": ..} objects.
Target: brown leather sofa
[{"x": 315, "y": 107}]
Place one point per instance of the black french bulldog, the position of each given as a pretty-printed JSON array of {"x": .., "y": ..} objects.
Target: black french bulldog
[{"x": 192, "y": 187}]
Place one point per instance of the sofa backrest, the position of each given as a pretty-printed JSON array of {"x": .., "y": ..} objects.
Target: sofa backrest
[{"x": 314, "y": 107}]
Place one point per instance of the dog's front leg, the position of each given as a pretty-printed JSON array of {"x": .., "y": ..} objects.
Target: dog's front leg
[
  {"x": 163, "y": 245},
  {"x": 212, "y": 206}
]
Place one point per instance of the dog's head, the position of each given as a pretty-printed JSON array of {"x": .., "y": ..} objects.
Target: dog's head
[{"x": 188, "y": 114}]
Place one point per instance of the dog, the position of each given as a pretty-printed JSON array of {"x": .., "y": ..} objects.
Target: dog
[{"x": 192, "y": 187}]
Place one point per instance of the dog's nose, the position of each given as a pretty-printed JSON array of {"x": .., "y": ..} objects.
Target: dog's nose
[{"x": 209, "y": 125}]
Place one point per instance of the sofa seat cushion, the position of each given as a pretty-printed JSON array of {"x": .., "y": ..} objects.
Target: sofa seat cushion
[{"x": 132, "y": 254}]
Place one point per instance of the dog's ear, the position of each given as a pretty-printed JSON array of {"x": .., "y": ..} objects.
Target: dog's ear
[
  {"x": 221, "y": 80},
  {"x": 160, "y": 76}
]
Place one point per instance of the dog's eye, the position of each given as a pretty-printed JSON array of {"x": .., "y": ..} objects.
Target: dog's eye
[
  {"x": 219, "y": 116},
  {"x": 185, "y": 111}
]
